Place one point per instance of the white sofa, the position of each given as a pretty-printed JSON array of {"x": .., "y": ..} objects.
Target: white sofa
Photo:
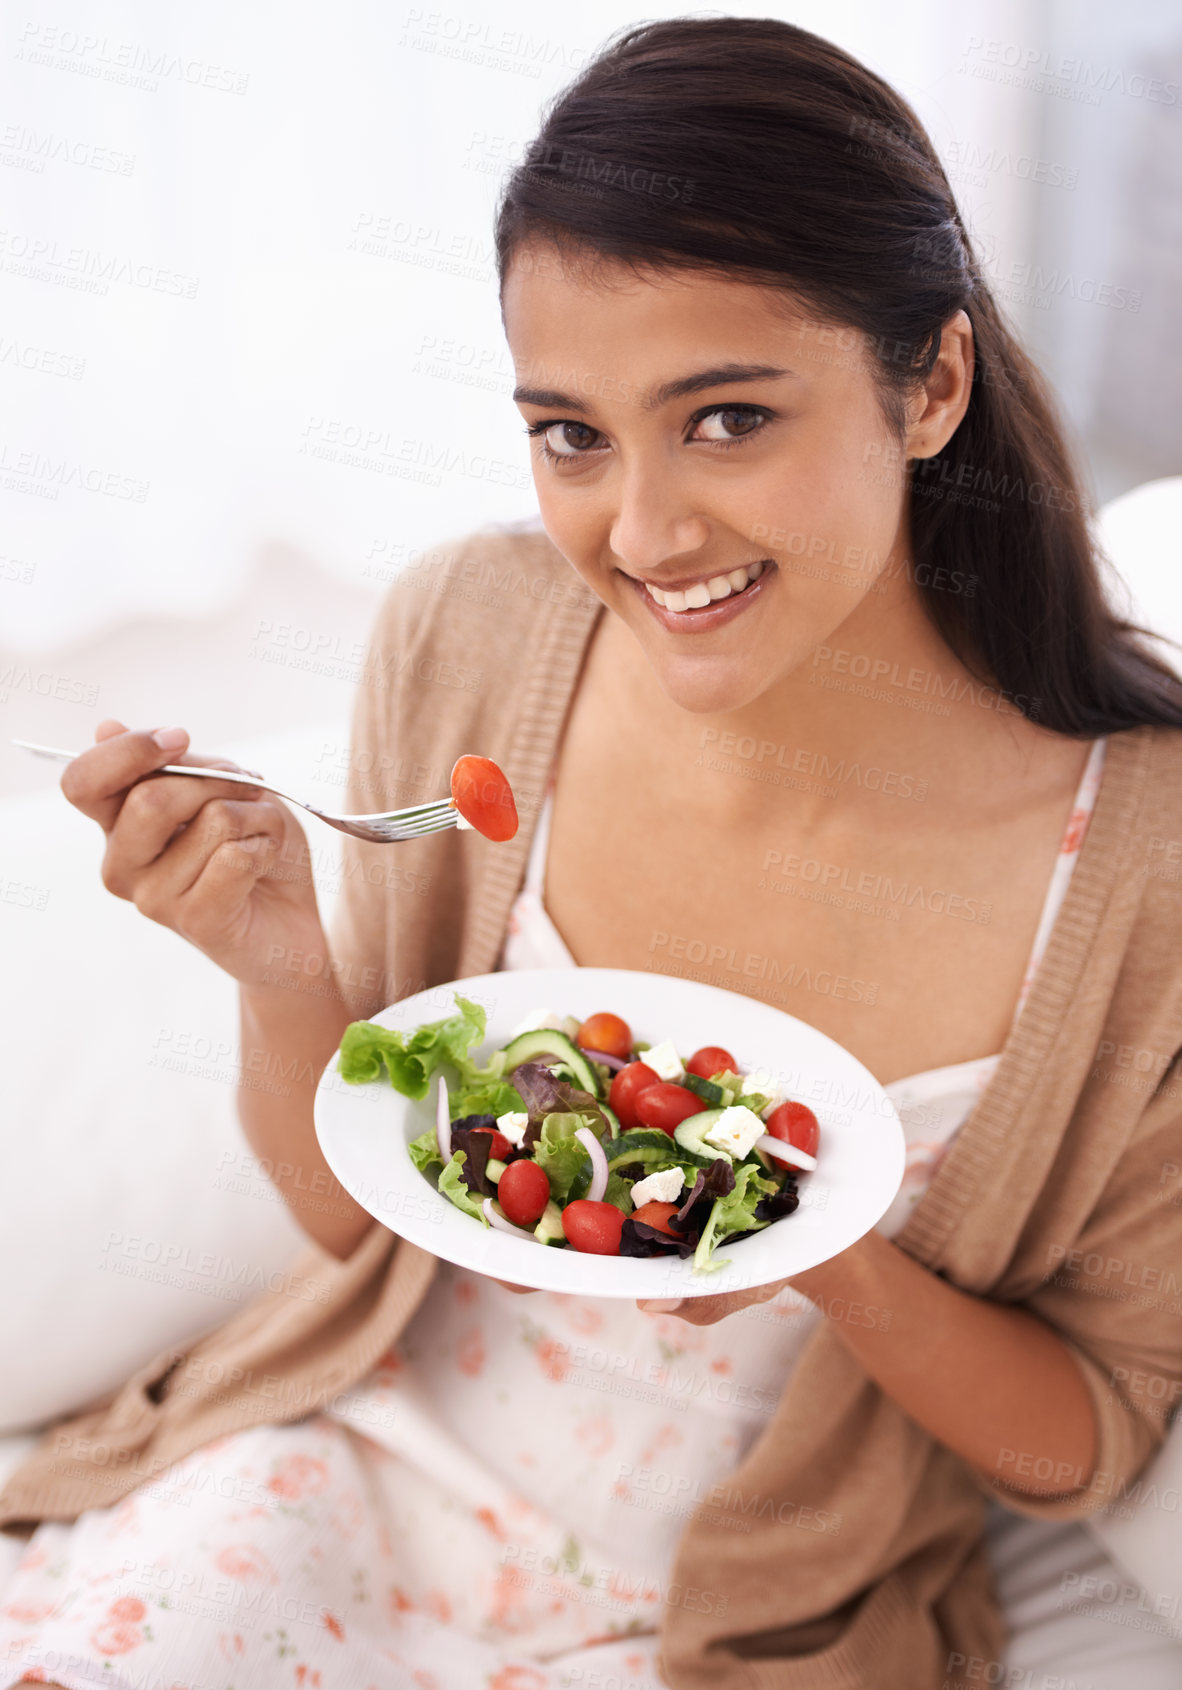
[
  {"x": 147, "y": 1220},
  {"x": 144, "y": 1209}
]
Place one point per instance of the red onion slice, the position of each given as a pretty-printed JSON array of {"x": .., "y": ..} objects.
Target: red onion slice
[
  {"x": 783, "y": 1152},
  {"x": 443, "y": 1121},
  {"x": 615, "y": 1063},
  {"x": 502, "y": 1225},
  {"x": 598, "y": 1184}
]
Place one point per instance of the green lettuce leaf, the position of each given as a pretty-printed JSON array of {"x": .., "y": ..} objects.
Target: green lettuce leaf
[
  {"x": 486, "y": 1097},
  {"x": 452, "y": 1185},
  {"x": 619, "y": 1192},
  {"x": 424, "y": 1150},
  {"x": 733, "y": 1213},
  {"x": 756, "y": 1101},
  {"x": 559, "y": 1152},
  {"x": 411, "y": 1059}
]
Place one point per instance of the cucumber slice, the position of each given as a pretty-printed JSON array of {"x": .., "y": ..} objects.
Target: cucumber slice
[
  {"x": 547, "y": 1041},
  {"x": 688, "y": 1133},
  {"x": 613, "y": 1120},
  {"x": 705, "y": 1089},
  {"x": 549, "y": 1228},
  {"x": 655, "y": 1147},
  {"x": 495, "y": 1168}
]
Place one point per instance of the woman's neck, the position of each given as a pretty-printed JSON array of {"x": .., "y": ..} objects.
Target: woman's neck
[{"x": 884, "y": 692}]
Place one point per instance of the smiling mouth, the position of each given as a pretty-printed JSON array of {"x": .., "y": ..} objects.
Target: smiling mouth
[{"x": 713, "y": 591}]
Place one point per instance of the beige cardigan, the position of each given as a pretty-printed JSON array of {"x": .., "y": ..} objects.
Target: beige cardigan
[{"x": 1063, "y": 1190}]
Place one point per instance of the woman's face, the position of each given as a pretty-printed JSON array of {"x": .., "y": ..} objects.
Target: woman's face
[{"x": 693, "y": 433}]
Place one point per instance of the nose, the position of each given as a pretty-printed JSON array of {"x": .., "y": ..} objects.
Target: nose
[{"x": 654, "y": 521}]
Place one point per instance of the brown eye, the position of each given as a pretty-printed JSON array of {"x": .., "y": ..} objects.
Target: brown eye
[
  {"x": 568, "y": 439},
  {"x": 730, "y": 422}
]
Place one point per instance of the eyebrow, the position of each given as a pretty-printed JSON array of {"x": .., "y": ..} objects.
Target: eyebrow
[{"x": 722, "y": 375}]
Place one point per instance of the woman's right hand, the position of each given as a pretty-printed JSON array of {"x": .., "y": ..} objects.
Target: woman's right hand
[{"x": 224, "y": 865}]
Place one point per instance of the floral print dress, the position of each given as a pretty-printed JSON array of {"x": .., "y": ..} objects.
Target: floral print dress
[{"x": 496, "y": 1506}]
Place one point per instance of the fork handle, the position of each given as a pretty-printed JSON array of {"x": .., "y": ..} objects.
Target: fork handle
[{"x": 197, "y": 769}]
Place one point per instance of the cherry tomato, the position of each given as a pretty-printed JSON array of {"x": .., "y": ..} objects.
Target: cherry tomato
[
  {"x": 662, "y": 1106},
  {"x": 523, "y": 1192},
  {"x": 796, "y": 1124},
  {"x": 607, "y": 1033},
  {"x": 500, "y": 1146},
  {"x": 592, "y": 1227},
  {"x": 711, "y": 1059},
  {"x": 626, "y": 1086},
  {"x": 657, "y": 1215},
  {"x": 484, "y": 797}
]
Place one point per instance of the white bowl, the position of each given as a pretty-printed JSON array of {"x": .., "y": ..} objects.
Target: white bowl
[{"x": 364, "y": 1130}]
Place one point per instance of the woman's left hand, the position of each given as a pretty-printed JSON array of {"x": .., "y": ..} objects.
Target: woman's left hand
[
  {"x": 809, "y": 1284},
  {"x": 704, "y": 1311}
]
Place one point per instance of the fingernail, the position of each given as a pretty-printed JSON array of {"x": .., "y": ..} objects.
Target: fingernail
[
  {"x": 170, "y": 739},
  {"x": 661, "y": 1305},
  {"x": 254, "y": 842}
]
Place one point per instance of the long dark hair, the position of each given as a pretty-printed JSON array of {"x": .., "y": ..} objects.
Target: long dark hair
[{"x": 746, "y": 144}]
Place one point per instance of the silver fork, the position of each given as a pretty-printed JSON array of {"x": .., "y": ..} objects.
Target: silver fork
[{"x": 385, "y": 828}]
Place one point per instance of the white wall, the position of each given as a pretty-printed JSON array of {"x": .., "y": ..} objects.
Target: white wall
[{"x": 313, "y": 195}]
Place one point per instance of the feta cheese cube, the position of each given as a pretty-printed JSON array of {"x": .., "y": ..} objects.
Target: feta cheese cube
[
  {"x": 763, "y": 1081},
  {"x": 513, "y": 1126},
  {"x": 664, "y": 1187},
  {"x": 663, "y": 1060},
  {"x": 735, "y": 1131},
  {"x": 537, "y": 1019}
]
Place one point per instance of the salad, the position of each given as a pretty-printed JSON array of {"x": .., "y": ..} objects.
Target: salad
[{"x": 577, "y": 1135}]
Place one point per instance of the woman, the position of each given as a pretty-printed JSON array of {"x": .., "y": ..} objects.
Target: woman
[{"x": 842, "y": 634}]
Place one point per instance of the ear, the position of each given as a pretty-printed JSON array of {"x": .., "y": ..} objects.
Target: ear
[{"x": 942, "y": 401}]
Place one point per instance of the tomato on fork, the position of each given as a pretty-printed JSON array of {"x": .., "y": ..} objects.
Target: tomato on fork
[{"x": 484, "y": 797}]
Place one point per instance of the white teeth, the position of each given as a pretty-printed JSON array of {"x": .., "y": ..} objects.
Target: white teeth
[{"x": 703, "y": 593}]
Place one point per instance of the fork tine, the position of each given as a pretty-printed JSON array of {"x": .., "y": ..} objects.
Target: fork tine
[
  {"x": 412, "y": 812},
  {"x": 419, "y": 829}
]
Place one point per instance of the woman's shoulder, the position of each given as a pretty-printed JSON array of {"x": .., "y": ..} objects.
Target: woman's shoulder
[
  {"x": 474, "y": 646},
  {"x": 1132, "y": 878},
  {"x": 481, "y": 593},
  {"x": 1152, "y": 753}
]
